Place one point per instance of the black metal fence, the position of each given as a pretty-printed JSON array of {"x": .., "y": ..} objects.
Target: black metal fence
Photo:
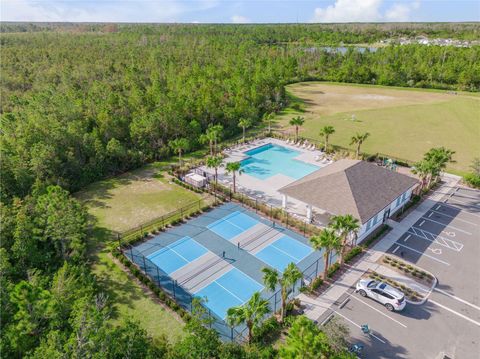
[
  {"x": 382, "y": 156},
  {"x": 185, "y": 299},
  {"x": 162, "y": 221}
]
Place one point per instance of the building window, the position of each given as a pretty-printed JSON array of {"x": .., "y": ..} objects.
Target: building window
[{"x": 399, "y": 200}]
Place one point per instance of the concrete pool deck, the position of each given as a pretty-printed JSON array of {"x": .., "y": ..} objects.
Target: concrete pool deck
[{"x": 267, "y": 190}]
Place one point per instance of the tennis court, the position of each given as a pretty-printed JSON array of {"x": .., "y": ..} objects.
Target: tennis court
[
  {"x": 178, "y": 254},
  {"x": 266, "y": 242},
  {"x": 232, "y": 289},
  {"x": 219, "y": 256}
]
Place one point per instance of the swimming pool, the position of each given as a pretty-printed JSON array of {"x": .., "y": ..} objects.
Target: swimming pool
[{"x": 269, "y": 160}]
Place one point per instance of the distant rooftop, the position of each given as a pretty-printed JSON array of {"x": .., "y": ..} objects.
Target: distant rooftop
[{"x": 354, "y": 187}]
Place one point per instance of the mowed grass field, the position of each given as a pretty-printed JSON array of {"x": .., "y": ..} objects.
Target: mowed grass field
[
  {"x": 404, "y": 123},
  {"x": 122, "y": 203}
]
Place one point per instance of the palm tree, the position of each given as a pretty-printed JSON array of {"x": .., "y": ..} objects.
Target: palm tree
[
  {"x": 233, "y": 168},
  {"x": 439, "y": 158},
  {"x": 244, "y": 123},
  {"x": 216, "y": 132},
  {"x": 325, "y": 132},
  {"x": 251, "y": 313},
  {"x": 329, "y": 242},
  {"x": 268, "y": 117},
  {"x": 345, "y": 226},
  {"x": 358, "y": 139},
  {"x": 289, "y": 277},
  {"x": 179, "y": 146},
  {"x": 208, "y": 137},
  {"x": 214, "y": 162},
  {"x": 423, "y": 169},
  {"x": 297, "y": 122}
]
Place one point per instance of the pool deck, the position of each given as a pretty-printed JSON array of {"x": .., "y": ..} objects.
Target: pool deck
[{"x": 267, "y": 190}]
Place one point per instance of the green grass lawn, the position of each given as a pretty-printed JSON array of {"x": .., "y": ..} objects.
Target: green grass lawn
[
  {"x": 119, "y": 204},
  {"x": 402, "y": 123}
]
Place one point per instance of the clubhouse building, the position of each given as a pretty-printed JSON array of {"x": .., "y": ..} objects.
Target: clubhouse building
[{"x": 369, "y": 192}]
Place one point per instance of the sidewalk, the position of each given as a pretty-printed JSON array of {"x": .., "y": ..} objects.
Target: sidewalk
[{"x": 316, "y": 307}]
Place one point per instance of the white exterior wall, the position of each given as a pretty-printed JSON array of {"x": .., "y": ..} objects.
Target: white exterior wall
[{"x": 377, "y": 221}]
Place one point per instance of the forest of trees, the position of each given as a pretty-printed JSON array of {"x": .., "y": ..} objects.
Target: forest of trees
[{"x": 82, "y": 102}]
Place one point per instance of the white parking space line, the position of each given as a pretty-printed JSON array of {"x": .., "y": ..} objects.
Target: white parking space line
[
  {"x": 396, "y": 249},
  {"x": 437, "y": 239},
  {"x": 424, "y": 254},
  {"x": 421, "y": 223},
  {"x": 407, "y": 237},
  {"x": 448, "y": 225},
  {"x": 453, "y": 206},
  {"x": 359, "y": 327},
  {"x": 463, "y": 202},
  {"x": 462, "y": 195},
  {"x": 430, "y": 214},
  {"x": 456, "y": 218},
  {"x": 454, "y": 312},
  {"x": 379, "y": 311},
  {"x": 438, "y": 207},
  {"x": 457, "y": 298}
]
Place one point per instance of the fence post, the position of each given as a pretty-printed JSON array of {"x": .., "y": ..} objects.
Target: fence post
[
  {"x": 158, "y": 277},
  {"x": 304, "y": 228},
  {"x": 316, "y": 268},
  {"x": 144, "y": 265},
  {"x": 141, "y": 230},
  {"x": 231, "y": 334},
  {"x": 174, "y": 285},
  {"x": 119, "y": 241},
  {"x": 275, "y": 302},
  {"x": 256, "y": 205},
  {"x": 287, "y": 218},
  {"x": 131, "y": 253}
]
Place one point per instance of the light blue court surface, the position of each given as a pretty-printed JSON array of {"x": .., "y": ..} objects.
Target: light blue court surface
[
  {"x": 178, "y": 254},
  {"x": 269, "y": 160},
  {"x": 232, "y": 289},
  {"x": 232, "y": 225},
  {"x": 284, "y": 251}
]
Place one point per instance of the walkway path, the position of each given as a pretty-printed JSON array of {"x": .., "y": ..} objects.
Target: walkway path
[{"x": 316, "y": 307}]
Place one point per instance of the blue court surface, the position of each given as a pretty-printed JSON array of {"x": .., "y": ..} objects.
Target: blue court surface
[
  {"x": 232, "y": 225},
  {"x": 177, "y": 254},
  {"x": 232, "y": 289},
  {"x": 284, "y": 251}
]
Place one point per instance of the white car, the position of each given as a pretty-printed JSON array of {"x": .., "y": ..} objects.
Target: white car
[{"x": 390, "y": 297}]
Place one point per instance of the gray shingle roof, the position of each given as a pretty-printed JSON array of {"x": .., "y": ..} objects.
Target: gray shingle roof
[{"x": 354, "y": 187}]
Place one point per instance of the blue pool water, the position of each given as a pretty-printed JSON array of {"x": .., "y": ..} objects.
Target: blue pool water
[
  {"x": 232, "y": 289},
  {"x": 269, "y": 160}
]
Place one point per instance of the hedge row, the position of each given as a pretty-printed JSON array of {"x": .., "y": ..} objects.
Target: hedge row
[{"x": 159, "y": 293}]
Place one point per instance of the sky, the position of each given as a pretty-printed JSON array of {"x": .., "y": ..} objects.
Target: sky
[{"x": 247, "y": 11}]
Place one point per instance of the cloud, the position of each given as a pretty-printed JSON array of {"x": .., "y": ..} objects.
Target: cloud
[
  {"x": 100, "y": 10},
  {"x": 364, "y": 11},
  {"x": 239, "y": 19},
  {"x": 349, "y": 11},
  {"x": 401, "y": 12}
]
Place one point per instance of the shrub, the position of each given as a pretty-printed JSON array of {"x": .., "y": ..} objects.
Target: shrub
[
  {"x": 333, "y": 269},
  {"x": 353, "y": 253},
  {"x": 472, "y": 179},
  {"x": 316, "y": 283}
]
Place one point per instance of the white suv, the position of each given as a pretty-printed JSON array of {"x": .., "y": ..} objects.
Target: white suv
[{"x": 390, "y": 297}]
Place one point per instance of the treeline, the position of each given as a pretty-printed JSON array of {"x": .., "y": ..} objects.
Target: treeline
[
  {"x": 326, "y": 34},
  {"x": 79, "y": 107}
]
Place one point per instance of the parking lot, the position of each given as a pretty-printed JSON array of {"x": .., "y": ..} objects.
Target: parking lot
[{"x": 445, "y": 242}]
